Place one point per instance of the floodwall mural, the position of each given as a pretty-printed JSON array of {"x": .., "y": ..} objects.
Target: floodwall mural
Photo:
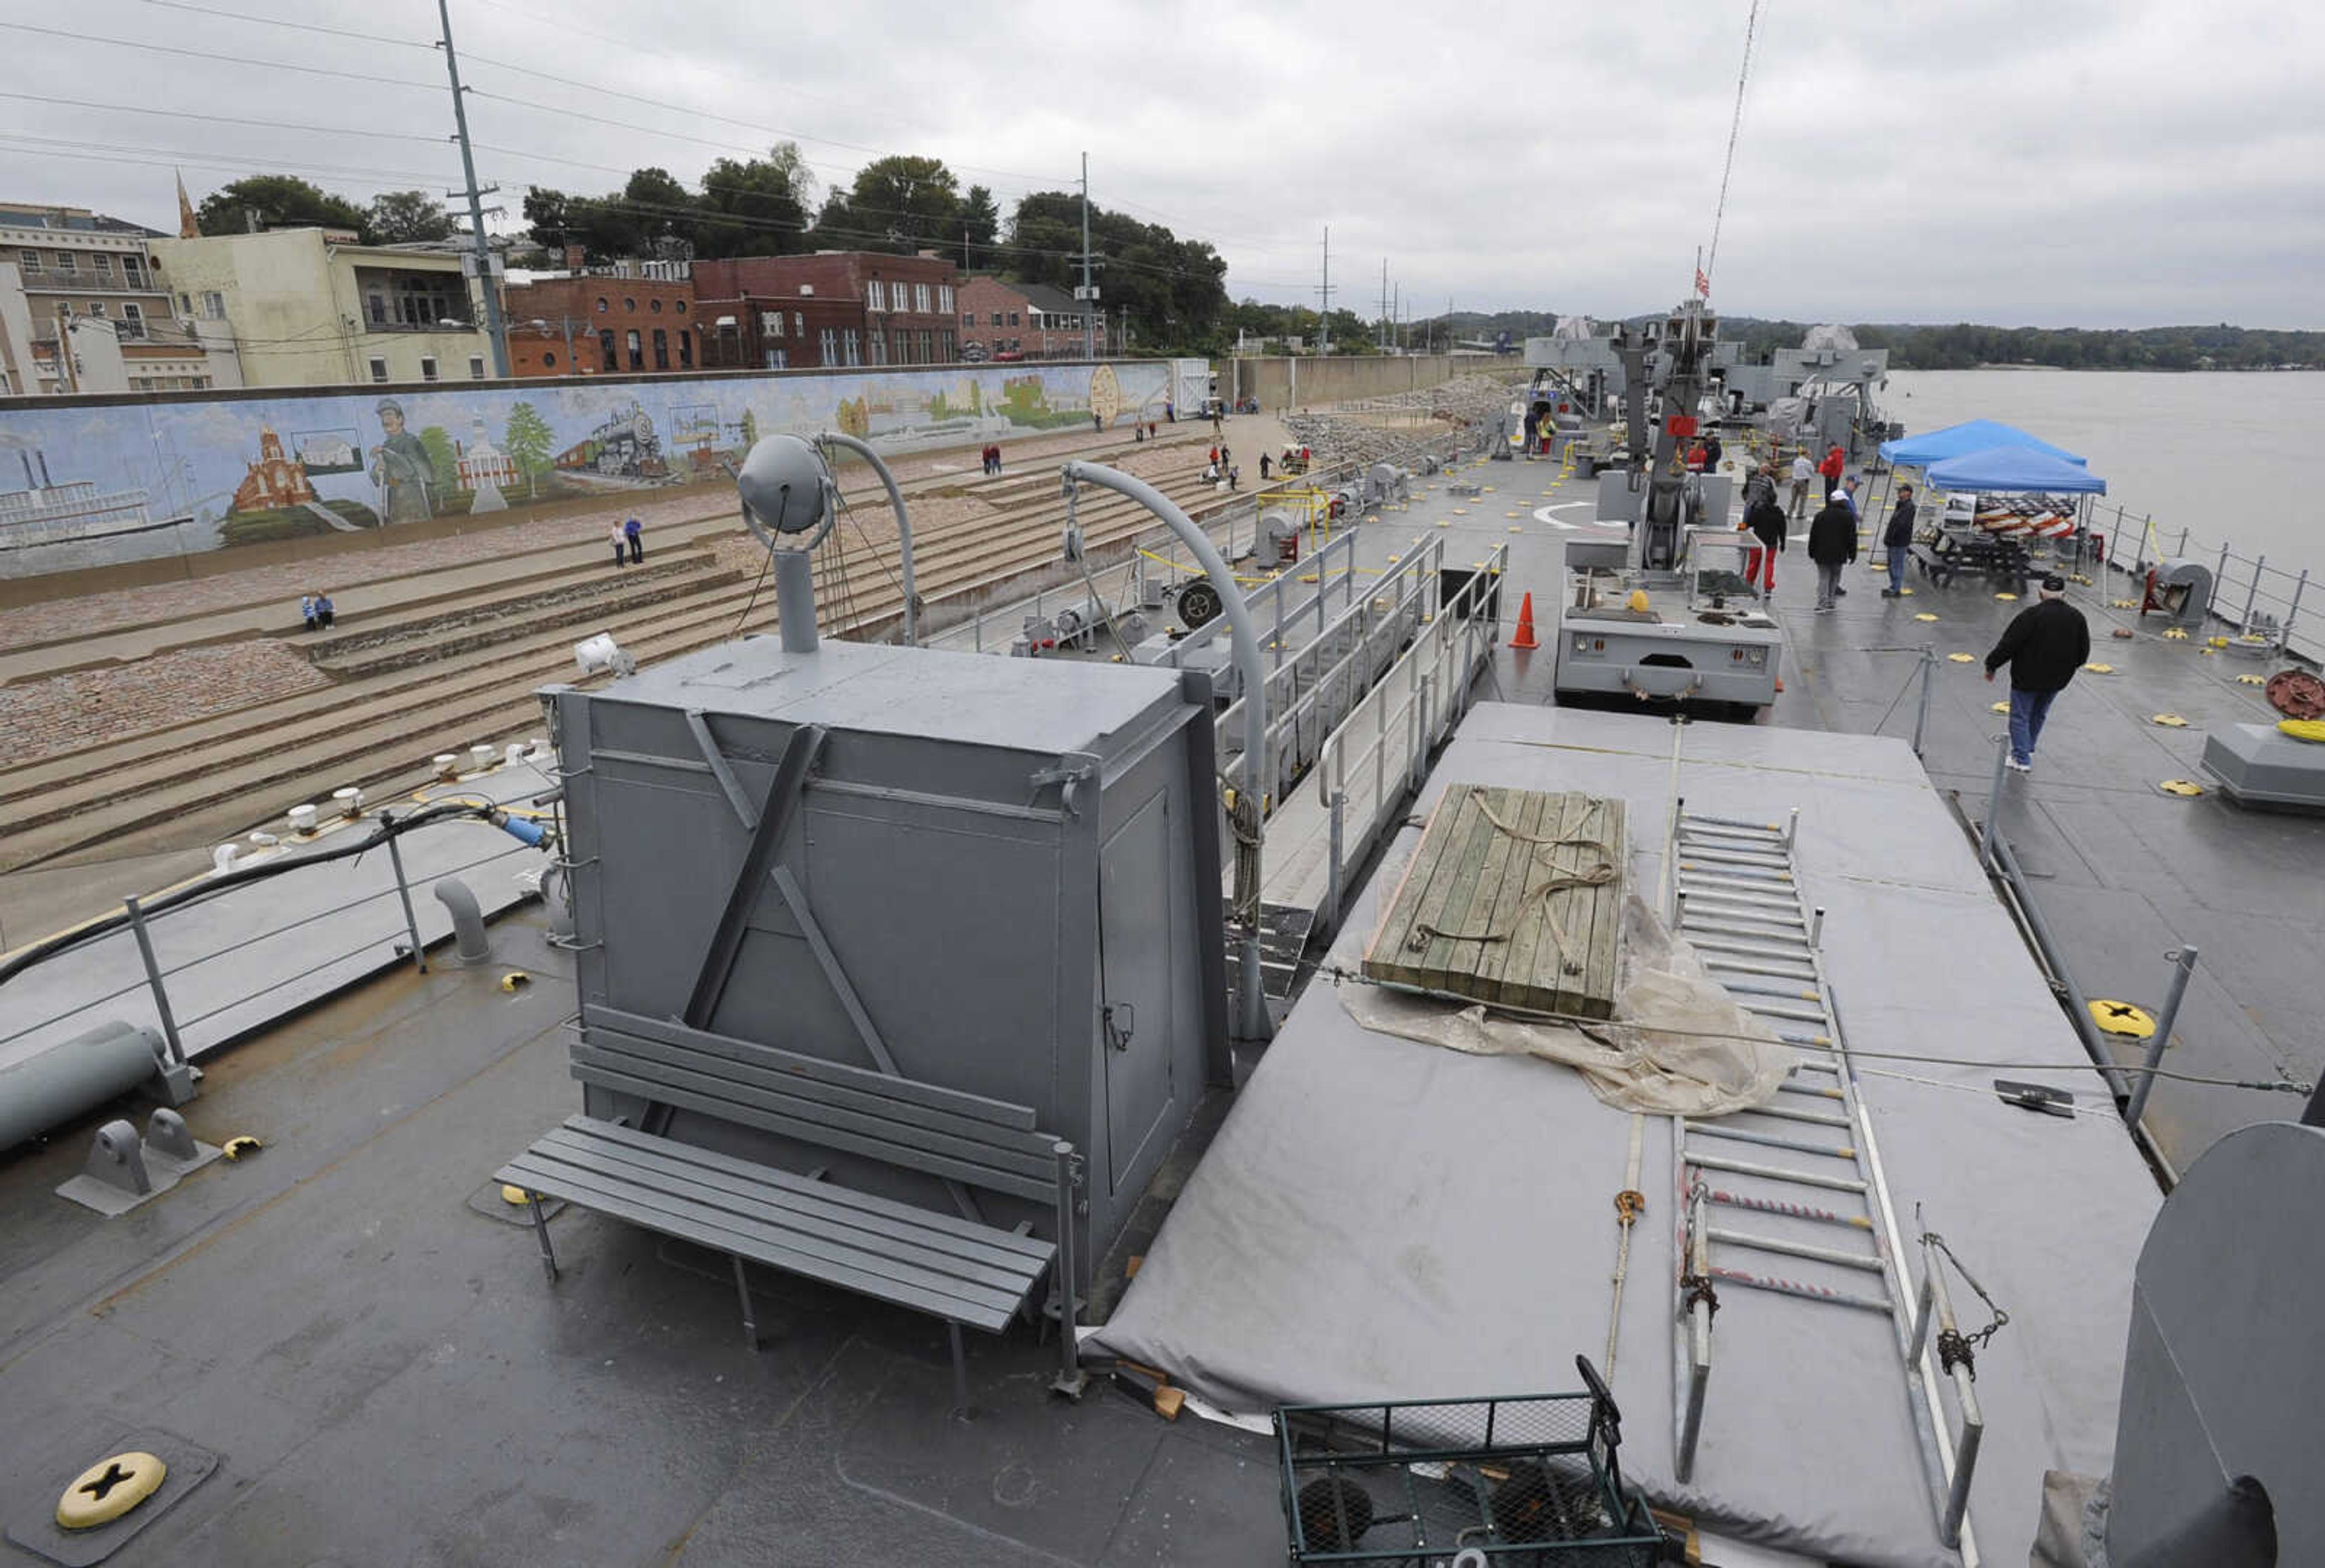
[{"x": 88, "y": 484}]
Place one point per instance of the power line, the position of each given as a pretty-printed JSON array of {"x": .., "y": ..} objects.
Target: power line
[
  {"x": 1734, "y": 130},
  {"x": 285, "y": 65},
  {"x": 297, "y": 26},
  {"x": 227, "y": 119}
]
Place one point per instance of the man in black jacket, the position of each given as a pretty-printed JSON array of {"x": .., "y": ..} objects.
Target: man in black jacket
[
  {"x": 1833, "y": 544},
  {"x": 1897, "y": 539},
  {"x": 2044, "y": 645},
  {"x": 1763, "y": 519}
]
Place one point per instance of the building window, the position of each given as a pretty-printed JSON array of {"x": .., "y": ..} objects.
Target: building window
[
  {"x": 476, "y": 368},
  {"x": 799, "y": 323},
  {"x": 31, "y": 260},
  {"x": 875, "y": 295},
  {"x": 629, "y": 305},
  {"x": 771, "y": 322},
  {"x": 213, "y": 305},
  {"x": 654, "y": 305},
  {"x": 97, "y": 308},
  {"x": 679, "y": 305},
  {"x": 103, "y": 266},
  {"x": 1013, "y": 318},
  {"x": 601, "y": 304},
  {"x": 661, "y": 349},
  {"x": 828, "y": 343},
  {"x": 133, "y": 271},
  {"x": 605, "y": 349},
  {"x": 133, "y": 320},
  {"x": 854, "y": 346},
  {"x": 944, "y": 298},
  {"x": 67, "y": 264},
  {"x": 996, "y": 318},
  {"x": 778, "y": 359},
  {"x": 637, "y": 347},
  {"x": 968, "y": 321},
  {"x": 549, "y": 359},
  {"x": 928, "y": 345},
  {"x": 951, "y": 349},
  {"x": 686, "y": 350},
  {"x": 920, "y": 298},
  {"x": 879, "y": 345},
  {"x": 378, "y": 369},
  {"x": 428, "y": 368}
]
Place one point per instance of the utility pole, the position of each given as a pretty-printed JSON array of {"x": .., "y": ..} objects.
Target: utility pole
[
  {"x": 1086, "y": 295},
  {"x": 493, "y": 325},
  {"x": 1383, "y": 311},
  {"x": 1324, "y": 301}
]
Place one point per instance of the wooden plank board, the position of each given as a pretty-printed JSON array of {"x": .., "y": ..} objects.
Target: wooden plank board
[
  {"x": 1600, "y": 969},
  {"x": 1521, "y": 808},
  {"x": 1478, "y": 881},
  {"x": 1475, "y": 836},
  {"x": 1421, "y": 895}
]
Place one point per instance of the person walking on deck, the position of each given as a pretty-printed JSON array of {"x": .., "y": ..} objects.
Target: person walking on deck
[
  {"x": 1803, "y": 475},
  {"x": 2044, "y": 645},
  {"x": 1832, "y": 545},
  {"x": 1897, "y": 539},
  {"x": 1764, "y": 521}
]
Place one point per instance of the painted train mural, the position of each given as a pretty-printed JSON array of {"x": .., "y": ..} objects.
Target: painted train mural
[{"x": 90, "y": 484}]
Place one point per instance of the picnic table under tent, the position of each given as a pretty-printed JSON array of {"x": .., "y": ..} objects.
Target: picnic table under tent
[{"x": 1997, "y": 538}]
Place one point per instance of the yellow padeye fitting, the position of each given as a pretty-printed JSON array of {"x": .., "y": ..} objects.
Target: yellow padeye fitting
[
  {"x": 1961, "y": 658},
  {"x": 1515, "y": 529},
  {"x": 2122, "y": 1018},
  {"x": 514, "y": 1196},
  {"x": 2007, "y": 598},
  {"x": 1998, "y": 708},
  {"x": 109, "y": 1489},
  {"x": 2123, "y": 604},
  {"x": 2175, "y": 634},
  {"x": 242, "y": 1144},
  {"x": 2100, "y": 669},
  {"x": 2169, "y": 720},
  {"x": 515, "y": 980},
  {"x": 2252, "y": 680},
  {"x": 2209, "y": 653},
  {"x": 2311, "y": 729},
  {"x": 2181, "y": 786},
  {"x": 1924, "y": 616}
]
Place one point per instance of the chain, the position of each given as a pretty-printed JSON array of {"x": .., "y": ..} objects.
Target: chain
[{"x": 1954, "y": 1347}]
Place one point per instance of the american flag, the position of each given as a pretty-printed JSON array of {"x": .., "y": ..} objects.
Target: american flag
[{"x": 1703, "y": 283}]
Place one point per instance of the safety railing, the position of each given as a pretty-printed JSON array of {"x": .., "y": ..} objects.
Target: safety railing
[
  {"x": 262, "y": 956},
  {"x": 1379, "y": 754},
  {"x": 1233, "y": 524}
]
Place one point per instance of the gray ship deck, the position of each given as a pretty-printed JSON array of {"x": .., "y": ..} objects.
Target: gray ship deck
[{"x": 387, "y": 1380}]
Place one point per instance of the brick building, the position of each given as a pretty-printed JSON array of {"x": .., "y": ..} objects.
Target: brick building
[
  {"x": 597, "y": 323},
  {"x": 1023, "y": 321},
  {"x": 831, "y": 309}
]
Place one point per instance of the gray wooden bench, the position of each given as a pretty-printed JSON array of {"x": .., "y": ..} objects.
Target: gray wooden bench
[{"x": 955, "y": 1267}]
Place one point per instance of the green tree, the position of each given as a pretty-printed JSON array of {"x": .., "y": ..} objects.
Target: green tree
[
  {"x": 980, "y": 224},
  {"x": 400, "y": 217},
  {"x": 754, "y": 207},
  {"x": 529, "y": 443},
  {"x": 277, "y": 202},
  {"x": 903, "y": 203},
  {"x": 445, "y": 462}
]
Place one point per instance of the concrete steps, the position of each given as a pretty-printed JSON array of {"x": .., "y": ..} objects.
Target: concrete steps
[{"x": 213, "y": 779}]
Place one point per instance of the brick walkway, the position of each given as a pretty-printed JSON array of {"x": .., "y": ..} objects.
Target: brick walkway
[{"x": 66, "y": 713}]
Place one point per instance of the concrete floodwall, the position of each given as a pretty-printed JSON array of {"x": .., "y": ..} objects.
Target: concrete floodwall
[
  {"x": 98, "y": 481},
  {"x": 1297, "y": 383}
]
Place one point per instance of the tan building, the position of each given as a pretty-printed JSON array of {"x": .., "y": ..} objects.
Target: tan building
[
  {"x": 89, "y": 283},
  {"x": 310, "y": 307}
]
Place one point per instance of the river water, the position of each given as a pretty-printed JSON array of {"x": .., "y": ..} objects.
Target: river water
[{"x": 2217, "y": 453}]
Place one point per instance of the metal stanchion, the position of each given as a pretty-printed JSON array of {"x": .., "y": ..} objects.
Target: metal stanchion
[
  {"x": 1993, "y": 803},
  {"x": 404, "y": 893},
  {"x": 1922, "y": 718},
  {"x": 154, "y": 981},
  {"x": 2184, "y": 963}
]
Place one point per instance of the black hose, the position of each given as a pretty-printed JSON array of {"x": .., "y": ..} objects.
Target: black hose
[{"x": 385, "y": 827}]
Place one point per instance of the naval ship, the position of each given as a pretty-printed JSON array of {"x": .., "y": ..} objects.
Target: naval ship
[{"x": 598, "y": 1157}]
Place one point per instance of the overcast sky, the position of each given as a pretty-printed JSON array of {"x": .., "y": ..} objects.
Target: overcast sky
[{"x": 2064, "y": 163}]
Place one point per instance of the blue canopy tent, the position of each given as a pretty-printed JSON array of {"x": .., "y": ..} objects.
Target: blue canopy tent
[
  {"x": 2015, "y": 468},
  {"x": 1956, "y": 441}
]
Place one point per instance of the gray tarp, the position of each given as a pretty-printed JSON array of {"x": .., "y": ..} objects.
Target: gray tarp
[{"x": 1380, "y": 1219}]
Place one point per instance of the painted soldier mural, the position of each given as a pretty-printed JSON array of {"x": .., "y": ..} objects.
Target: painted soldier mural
[{"x": 400, "y": 468}]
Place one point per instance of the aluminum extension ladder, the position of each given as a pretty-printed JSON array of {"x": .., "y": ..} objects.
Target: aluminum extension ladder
[{"x": 1735, "y": 898}]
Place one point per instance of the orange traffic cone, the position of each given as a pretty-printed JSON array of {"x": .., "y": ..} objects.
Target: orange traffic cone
[{"x": 1524, "y": 638}]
